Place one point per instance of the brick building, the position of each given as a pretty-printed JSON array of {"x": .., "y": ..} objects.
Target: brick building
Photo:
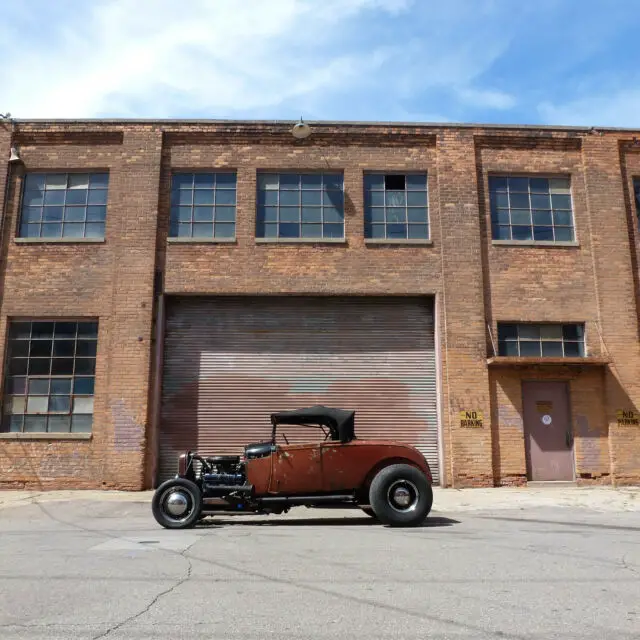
[{"x": 472, "y": 290}]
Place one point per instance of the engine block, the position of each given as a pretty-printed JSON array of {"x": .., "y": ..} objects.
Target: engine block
[{"x": 224, "y": 479}]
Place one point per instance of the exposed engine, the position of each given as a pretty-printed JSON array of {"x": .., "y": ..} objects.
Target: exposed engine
[
  {"x": 226, "y": 479},
  {"x": 225, "y": 471}
]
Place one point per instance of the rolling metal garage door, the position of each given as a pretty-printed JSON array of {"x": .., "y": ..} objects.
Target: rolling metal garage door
[{"x": 230, "y": 362}]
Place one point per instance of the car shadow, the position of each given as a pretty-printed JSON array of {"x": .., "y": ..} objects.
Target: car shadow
[{"x": 219, "y": 521}]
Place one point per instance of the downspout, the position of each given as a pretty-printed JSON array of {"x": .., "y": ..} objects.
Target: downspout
[
  {"x": 157, "y": 377},
  {"x": 7, "y": 185},
  {"x": 5, "y": 207}
]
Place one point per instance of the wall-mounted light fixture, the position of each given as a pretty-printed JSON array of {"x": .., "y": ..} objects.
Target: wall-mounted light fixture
[
  {"x": 15, "y": 155},
  {"x": 301, "y": 130}
]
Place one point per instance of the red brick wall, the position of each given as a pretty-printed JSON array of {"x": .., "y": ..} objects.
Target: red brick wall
[
  {"x": 475, "y": 282},
  {"x": 592, "y": 282},
  {"x": 612, "y": 238},
  {"x": 247, "y": 267},
  {"x": 463, "y": 337},
  {"x": 111, "y": 281}
]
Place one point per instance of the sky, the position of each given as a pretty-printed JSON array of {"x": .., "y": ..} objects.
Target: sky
[{"x": 561, "y": 62}]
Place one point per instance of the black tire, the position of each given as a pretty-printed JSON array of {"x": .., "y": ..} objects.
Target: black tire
[
  {"x": 193, "y": 498},
  {"x": 369, "y": 511},
  {"x": 415, "y": 488}
]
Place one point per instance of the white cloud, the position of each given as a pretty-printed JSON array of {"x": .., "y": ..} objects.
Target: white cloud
[
  {"x": 221, "y": 55},
  {"x": 487, "y": 98},
  {"x": 619, "y": 108},
  {"x": 224, "y": 58}
]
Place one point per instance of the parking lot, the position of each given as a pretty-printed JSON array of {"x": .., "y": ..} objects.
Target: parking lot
[{"x": 87, "y": 567}]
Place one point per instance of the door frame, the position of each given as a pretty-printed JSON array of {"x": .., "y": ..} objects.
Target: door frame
[{"x": 525, "y": 430}]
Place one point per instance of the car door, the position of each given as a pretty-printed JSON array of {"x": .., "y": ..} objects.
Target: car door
[
  {"x": 343, "y": 465},
  {"x": 296, "y": 469}
]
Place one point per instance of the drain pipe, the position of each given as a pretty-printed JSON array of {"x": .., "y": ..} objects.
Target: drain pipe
[
  {"x": 14, "y": 159},
  {"x": 157, "y": 375}
]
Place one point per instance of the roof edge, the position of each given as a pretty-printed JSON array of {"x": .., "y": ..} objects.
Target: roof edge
[{"x": 323, "y": 123}]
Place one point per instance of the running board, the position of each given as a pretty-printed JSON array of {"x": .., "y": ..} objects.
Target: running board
[{"x": 306, "y": 500}]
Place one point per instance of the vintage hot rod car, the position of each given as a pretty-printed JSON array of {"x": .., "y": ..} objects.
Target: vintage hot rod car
[{"x": 386, "y": 479}]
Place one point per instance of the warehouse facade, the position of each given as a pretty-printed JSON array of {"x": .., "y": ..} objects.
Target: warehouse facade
[{"x": 470, "y": 290}]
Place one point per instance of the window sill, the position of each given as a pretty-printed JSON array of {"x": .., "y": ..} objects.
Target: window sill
[
  {"x": 522, "y": 361},
  {"x": 301, "y": 241},
  {"x": 399, "y": 241},
  {"x": 202, "y": 240},
  {"x": 59, "y": 240},
  {"x": 44, "y": 436},
  {"x": 533, "y": 243}
]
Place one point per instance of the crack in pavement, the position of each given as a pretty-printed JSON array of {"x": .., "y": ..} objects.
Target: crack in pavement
[
  {"x": 300, "y": 585},
  {"x": 155, "y": 600}
]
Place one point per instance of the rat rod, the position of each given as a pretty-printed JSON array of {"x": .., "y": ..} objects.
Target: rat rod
[{"x": 386, "y": 479}]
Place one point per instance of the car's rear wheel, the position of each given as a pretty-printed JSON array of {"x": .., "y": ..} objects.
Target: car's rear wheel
[
  {"x": 401, "y": 496},
  {"x": 177, "y": 504}
]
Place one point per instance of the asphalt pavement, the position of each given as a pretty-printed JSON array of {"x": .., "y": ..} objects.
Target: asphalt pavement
[{"x": 92, "y": 567}]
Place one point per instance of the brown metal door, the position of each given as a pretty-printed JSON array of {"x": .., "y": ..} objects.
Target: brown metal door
[
  {"x": 231, "y": 361},
  {"x": 549, "y": 438}
]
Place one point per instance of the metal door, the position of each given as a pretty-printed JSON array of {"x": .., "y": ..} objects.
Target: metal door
[
  {"x": 549, "y": 437},
  {"x": 231, "y": 361}
]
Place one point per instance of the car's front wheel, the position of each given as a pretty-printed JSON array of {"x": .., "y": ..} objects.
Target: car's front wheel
[
  {"x": 401, "y": 496},
  {"x": 177, "y": 504}
]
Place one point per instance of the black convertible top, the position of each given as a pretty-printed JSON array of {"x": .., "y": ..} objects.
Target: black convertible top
[{"x": 341, "y": 422}]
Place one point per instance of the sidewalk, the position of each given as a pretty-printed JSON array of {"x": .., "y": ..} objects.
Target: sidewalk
[{"x": 602, "y": 499}]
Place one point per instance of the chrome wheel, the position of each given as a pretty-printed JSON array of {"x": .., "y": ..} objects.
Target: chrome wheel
[
  {"x": 177, "y": 504},
  {"x": 403, "y": 496}
]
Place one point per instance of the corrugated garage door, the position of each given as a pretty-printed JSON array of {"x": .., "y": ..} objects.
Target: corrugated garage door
[{"x": 230, "y": 362}]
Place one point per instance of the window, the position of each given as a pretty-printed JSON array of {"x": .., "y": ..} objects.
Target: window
[
  {"x": 50, "y": 375},
  {"x": 541, "y": 340},
  {"x": 396, "y": 206},
  {"x": 533, "y": 209},
  {"x": 294, "y": 205},
  {"x": 203, "y": 205},
  {"x": 64, "y": 205}
]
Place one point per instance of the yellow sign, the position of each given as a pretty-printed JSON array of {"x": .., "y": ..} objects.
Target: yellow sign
[
  {"x": 628, "y": 417},
  {"x": 471, "y": 419}
]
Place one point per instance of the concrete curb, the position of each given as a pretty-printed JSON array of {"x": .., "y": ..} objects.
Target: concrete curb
[{"x": 603, "y": 499}]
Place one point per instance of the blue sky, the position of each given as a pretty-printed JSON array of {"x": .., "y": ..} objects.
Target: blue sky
[{"x": 565, "y": 62}]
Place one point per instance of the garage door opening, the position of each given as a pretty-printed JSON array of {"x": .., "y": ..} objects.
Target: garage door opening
[{"x": 230, "y": 362}]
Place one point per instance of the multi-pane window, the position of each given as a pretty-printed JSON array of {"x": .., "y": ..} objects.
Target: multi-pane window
[
  {"x": 396, "y": 206},
  {"x": 50, "y": 373},
  {"x": 300, "y": 205},
  {"x": 534, "y": 209},
  {"x": 541, "y": 340},
  {"x": 203, "y": 205},
  {"x": 64, "y": 205}
]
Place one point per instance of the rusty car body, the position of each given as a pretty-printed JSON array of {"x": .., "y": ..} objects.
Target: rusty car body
[{"x": 386, "y": 479}]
